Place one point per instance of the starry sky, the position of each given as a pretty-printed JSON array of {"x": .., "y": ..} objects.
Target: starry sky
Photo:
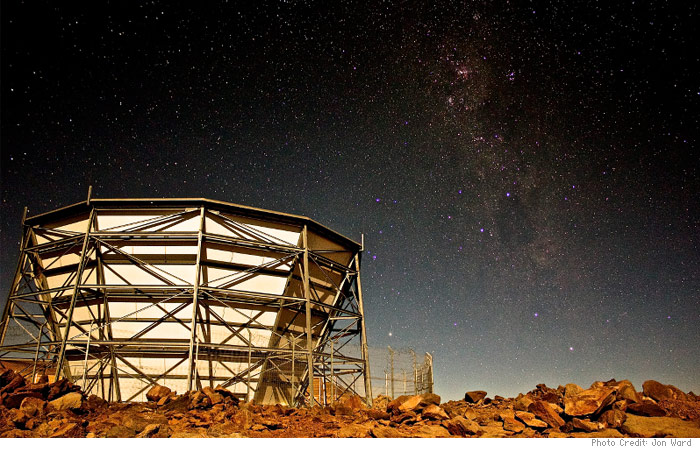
[{"x": 526, "y": 174}]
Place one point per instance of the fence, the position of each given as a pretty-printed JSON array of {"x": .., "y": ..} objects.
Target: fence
[{"x": 398, "y": 371}]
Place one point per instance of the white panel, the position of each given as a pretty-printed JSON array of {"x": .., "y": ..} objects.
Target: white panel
[
  {"x": 245, "y": 281},
  {"x": 279, "y": 236},
  {"x": 243, "y": 259},
  {"x": 129, "y": 274},
  {"x": 78, "y": 226},
  {"x": 115, "y": 223}
]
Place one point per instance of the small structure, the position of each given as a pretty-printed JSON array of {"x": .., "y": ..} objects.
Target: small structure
[{"x": 121, "y": 294}]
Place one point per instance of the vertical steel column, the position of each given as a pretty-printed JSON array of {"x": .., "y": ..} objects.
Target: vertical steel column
[
  {"x": 294, "y": 372},
  {"x": 332, "y": 374},
  {"x": 307, "y": 298},
  {"x": 363, "y": 338},
  {"x": 74, "y": 298},
  {"x": 195, "y": 299},
  {"x": 17, "y": 278},
  {"x": 391, "y": 370}
]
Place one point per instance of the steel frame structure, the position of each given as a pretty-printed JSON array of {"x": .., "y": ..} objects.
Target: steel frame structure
[{"x": 106, "y": 287}]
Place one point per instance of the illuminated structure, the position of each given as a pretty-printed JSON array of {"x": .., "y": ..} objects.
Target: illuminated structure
[{"x": 121, "y": 294}]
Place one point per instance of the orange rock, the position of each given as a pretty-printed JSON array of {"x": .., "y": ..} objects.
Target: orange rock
[
  {"x": 157, "y": 392},
  {"x": 544, "y": 412}
]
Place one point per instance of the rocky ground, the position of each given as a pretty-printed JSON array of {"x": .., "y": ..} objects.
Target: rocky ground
[{"x": 606, "y": 409}]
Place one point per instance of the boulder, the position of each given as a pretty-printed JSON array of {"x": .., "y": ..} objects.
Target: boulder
[
  {"x": 613, "y": 418},
  {"x": 572, "y": 390},
  {"x": 32, "y": 406},
  {"x": 60, "y": 388},
  {"x": 646, "y": 409},
  {"x": 354, "y": 430},
  {"x": 587, "y": 402},
  {"x": 71, "y": 400},
  {"x": 461, "y": 426},
  {"x": 393, "y": 405},
  {"x": 213, "y": 396},
  {"x": 627, "y": 392},
  {"x": 637, "y": 426},
  {"x": 68, "y": 430},
  {"x": 430, "y": 398},
  {"x": 430, "y": 431},
  {"x": 386, "y": 432},
  {"x": 544, "y": 411},
  {"x": 474, "y": 396},
  {"x": 513, "y": 425},
  {"x": 17, "y": 418},
  {"x": 413, "y": 403},
  {"x": 158, "y": 392},
  {"x": 530, "y": 420},
  {"x": 149, "y": 431},
  {"x": 660, "y": 392},
  {"x": 586, "y": 425},
  {"x": 12, "y": 381},
  {"x": 522, "y": 402},
  {"x": 433, "y": 412},
  {"x": 352, "y": 402}
]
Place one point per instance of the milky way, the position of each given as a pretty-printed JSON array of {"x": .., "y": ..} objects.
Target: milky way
[{"x": 526, "y": 176}]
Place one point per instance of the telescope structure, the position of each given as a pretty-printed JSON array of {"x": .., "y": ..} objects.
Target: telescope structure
[{"x": 118, "y": 295}]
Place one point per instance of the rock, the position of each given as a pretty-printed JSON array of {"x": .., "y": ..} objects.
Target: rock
[
  {"x": 613, "y": 418},
  {"x": 522, "y": 402},
  {"x": 430, "y": 398},
  {"x": 530, "y": 420},
  {"x": 571, "y": 390},
  {"x": 14, "y": 400},
  {"x": 17, "y": 418},
  {"x": 386, "y": 432},
  {"x": 380, "y": 402},
  {"x": 352, "y": 402},
  {"x": 411, "y": 403},
  {"x": 637, "y": 426},
  {"x": 660, "y": 392},
  {"x": 95, "y": 403},
  {"x": 434, "y": 412},
  {"x": 627, "y": 392},
  {"x": 377, "y": 414},
  {"x": 474, "y": 396},
  {"x": 214, "y": 397},
  {"x": 149, "y": 431},
  {"x": 511, "y": 424},
  {"x": 354, "y": 430},
  {"x": 587, "y": 402},
  {"x": 199, "y": 400},
  {"x": 430, "y": 431},
  {"x": 544, "y": 412},
  {"x": 71, "y": 400},
  {"x": 646, "y": 409},
  {"x": 60, "y": 388},
  {"x": 32, "y": 406},
  {"x": 544, "y": 393},
  {"x": 461, "y": 426},
  {"x": 393, "y": 405},
  {"x": 157, "y": 392},
  {"x": 586, "y": 425},
  {"x": 68, "y": 430},
  {"x": 557, "y": 434},
  {"x": 225, "y": 429},
  {"x": 494, "y": 431},
  {"x": 13, "y": 381}
]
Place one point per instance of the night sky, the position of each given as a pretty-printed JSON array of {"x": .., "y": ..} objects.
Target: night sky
[{"x": 526, "y": 174}]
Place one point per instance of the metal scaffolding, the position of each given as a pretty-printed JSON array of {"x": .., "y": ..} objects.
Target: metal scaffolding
[{"x": 122, "y": 294}]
